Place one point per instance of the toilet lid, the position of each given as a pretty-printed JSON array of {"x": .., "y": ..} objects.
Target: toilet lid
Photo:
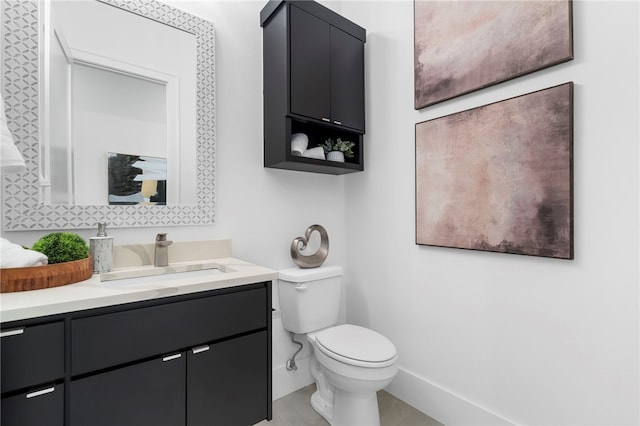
[{"x": 356, "y": 345}]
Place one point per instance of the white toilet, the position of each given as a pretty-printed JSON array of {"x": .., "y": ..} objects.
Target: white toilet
[{"x": 350, "y": 363}]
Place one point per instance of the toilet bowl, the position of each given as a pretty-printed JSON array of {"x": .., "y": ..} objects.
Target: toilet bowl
[
  {"x": 356, "y": 362},
  {"x": 349, "y": 363}
]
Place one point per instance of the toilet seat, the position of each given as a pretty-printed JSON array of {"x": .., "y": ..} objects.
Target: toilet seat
[{"x": 356, "y": 346}]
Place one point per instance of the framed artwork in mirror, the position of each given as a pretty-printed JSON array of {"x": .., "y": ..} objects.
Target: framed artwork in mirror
[
  {"x": 499, "y": 177},
  {"x": 136, "y": 179},
  {"x": 23, "y": 206},
  {"x": 463, "y": 46}
]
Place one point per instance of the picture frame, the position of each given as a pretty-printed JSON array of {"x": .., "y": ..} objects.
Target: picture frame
[
  {"x": 464, "y": 46},
  {"x": 499, "y": 177},
  {"x": 136, "y": 180}
]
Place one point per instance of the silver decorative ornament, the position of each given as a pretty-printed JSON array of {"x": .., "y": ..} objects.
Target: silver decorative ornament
[{"x": 300, "y": 243}]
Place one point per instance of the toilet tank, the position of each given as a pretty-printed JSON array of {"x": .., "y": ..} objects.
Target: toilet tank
[{"x": 310, "y": 298}]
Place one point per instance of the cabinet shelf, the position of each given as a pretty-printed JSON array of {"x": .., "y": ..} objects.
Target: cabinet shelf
[{"x": 313, "y": 83}]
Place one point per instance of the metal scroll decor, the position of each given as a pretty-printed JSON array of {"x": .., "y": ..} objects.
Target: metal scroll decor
[{"x": 300, "y": 243}]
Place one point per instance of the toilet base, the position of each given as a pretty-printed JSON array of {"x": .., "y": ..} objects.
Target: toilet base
[
  {"x": 355, "y": 409},
  {"x": 322, "y": 406},
  {"x": 350, "y": 410}
]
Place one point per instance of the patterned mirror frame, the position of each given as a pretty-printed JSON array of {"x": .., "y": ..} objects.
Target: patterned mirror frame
[{"x": 22, "y": 209}]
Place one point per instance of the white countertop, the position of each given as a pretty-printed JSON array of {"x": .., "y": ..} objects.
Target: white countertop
[{"x": 94, "y": 293}]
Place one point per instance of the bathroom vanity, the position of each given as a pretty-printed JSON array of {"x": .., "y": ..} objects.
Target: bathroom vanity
[{"x": 183, "y": 351}]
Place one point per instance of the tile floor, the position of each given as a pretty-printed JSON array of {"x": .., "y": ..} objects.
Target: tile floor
[{"x": 295, "y": 410}]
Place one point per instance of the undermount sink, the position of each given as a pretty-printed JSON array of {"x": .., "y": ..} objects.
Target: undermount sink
[{"x": 109, "y": 280}]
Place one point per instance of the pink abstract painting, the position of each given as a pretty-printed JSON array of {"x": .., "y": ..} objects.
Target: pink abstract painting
[
  {"x": 462, "y": 46},
  {"x": 499, "y": 177}
]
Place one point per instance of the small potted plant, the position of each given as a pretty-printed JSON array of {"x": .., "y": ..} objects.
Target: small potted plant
[
  {"x": 68, "y": 261},
  {"x": 60, "y": 247},
  {"x": 338, "y": 150}
]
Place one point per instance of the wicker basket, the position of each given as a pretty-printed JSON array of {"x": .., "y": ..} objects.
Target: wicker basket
[{"x": 39, "y": 277}]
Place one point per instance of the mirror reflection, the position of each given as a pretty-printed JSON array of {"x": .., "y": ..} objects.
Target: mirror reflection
[{"x": 119, "y": 108}]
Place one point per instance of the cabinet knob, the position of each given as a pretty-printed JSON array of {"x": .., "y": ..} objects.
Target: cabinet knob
[
  {"x": 41, "y": 392},
  {"x": 337, "y": 122},
  {"x": 326, "y": 119},
  {"x": 12, "y": 332}
]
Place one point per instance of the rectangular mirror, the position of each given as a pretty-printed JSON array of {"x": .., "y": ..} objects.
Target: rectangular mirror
[{"x": 140, "y": 84}]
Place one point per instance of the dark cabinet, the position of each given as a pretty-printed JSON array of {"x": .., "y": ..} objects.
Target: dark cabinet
[
  {"x": 149, "y": 393},
  {"x": 31, "y": 355},
  {"x": 347, "y": 80},
  {"x": 195, "y": 359},
  {"x": 227, "y": 382},
  {"x": 327, "y": 72},
  {"x": 36, "y": 408},
  {"x": 32, "y": 358},
  {"x": 313, "y": 78},
  {"x": 102, "y": 341},
  {"x": 310, "y": 58}
]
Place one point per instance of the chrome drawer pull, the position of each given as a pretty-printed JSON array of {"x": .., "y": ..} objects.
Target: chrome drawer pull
[
  {"x": 40, "y": 392},
  {"x": 199, "y": 349},
  {"x": 326, "y": 119},
  {"x": 337, "y": 122},
  {"x": 13, "y": 332},
  {"x": 171, "y": 357}
]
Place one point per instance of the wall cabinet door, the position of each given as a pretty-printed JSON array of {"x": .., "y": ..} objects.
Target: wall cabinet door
[
  {"x": 327, "y": 72},
  {"x": 227, "y": 382},
  {"x": 347, "y": 80},
  {"x": 310, "y": 65},
  {"x": 41, "y": 407},
  {"x": 149, "y": 393}
]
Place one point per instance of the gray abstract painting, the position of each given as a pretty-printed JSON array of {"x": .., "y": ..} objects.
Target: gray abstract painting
[
  {"x": 499, "y": 177},
  {"x": 462, "y": 46}
]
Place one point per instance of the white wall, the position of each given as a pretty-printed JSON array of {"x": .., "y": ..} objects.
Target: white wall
[{"x": 487, "y": 338}]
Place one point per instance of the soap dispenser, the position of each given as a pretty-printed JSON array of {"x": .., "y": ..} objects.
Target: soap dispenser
[{"x": 101, "y": 248}]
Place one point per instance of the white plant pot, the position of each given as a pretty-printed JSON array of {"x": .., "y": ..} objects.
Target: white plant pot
[{"x": 335, "y": 156}]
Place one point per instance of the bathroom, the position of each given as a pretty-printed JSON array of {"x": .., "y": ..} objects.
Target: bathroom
[{"x": 482, "y": 338}]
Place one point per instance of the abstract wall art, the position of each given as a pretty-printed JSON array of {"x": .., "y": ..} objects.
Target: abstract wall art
[
  {"x": 462, "y": 46},
  {"x": 137, "y": 179},
  {"x": 499, "y": 177}
]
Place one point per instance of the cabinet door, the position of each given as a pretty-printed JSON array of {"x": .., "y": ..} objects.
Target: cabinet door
[
  {"x": 149, "y": 393},
  {"x": 227, "y": 384},
  {"x": 32, "y": 355},
  {"x": 310, "y": 69},
  {"x": 37, "y": 408},
  {"x": 347, "y": 80}
]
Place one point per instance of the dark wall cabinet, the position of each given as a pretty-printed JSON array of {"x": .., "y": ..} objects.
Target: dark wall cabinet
[
  {"x": 313, "y": 83},
  {"x": 193, "y": 360}
]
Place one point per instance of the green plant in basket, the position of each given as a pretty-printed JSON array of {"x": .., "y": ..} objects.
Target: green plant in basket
[
  {"x": 62, "y": 247},
  {"x": 345, "y": 147}
]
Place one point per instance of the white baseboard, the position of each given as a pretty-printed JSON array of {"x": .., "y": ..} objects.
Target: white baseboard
[
  {"x": 441, "y": 404},
  {"x": 286, "y": 382}
]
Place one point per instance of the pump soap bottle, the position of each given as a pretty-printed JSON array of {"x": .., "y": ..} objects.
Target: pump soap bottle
[{"x": 101, "y": 248}]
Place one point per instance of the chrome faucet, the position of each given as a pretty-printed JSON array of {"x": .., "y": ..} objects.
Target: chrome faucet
[{"x": 162, "y": 250}]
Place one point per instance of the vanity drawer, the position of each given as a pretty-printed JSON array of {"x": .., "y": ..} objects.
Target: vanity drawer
[
  {"x": 36, "y": 408},
  {"x": 111, "y": 339},
  {"x": 31, "y": 355}
]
